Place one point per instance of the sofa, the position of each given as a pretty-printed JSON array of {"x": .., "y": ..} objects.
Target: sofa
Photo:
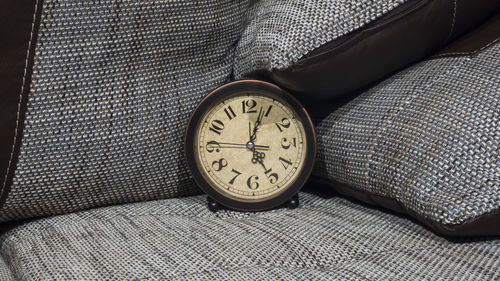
[{"x": 96, "y": 96}]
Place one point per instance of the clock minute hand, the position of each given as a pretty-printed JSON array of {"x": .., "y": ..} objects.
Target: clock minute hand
[
  {"x": 256, "y": 126},
  {"x": 222, "y": 144},
  {"x": 244, "y": 147}
]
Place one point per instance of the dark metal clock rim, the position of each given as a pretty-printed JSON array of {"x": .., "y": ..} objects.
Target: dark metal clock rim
[{"x": 233, "y": 88}]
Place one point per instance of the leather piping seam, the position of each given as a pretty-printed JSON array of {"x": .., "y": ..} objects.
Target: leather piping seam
[
  {"x": 468, "y": 53},
  {"x": 372, "y": 28},
  {"x": 385, "y": 124},
  {"x": 20, "y": 101},
  {"x": 443, "y": 229},
  {"x": 453, "y": 19}
]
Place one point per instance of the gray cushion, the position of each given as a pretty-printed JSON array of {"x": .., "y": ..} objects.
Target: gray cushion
[
  {"x": 112, "y": 88},
  {"x": 5, "y": 271},
  {"x": 279, "y": 33},
  {"x": 113, "y": 84},
  {"x": 425, "y": 141},
  {"x": 326, "y": 49},
  {"x": 179, "y": 239}
]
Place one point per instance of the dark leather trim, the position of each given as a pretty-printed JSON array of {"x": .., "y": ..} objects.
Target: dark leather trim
[
  {"x": 404, "y": 36},
  {"x": 473, "y": 42},
  {"x": 471, "y": 13},
  {"x": 19, "y": 22},
  {"x": 484, "y": 226}
]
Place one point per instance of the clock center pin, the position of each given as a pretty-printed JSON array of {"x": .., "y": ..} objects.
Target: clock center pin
[{"x": 250, "y": 145}]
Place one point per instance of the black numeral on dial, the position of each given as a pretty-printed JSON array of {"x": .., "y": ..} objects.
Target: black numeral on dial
[
  {"x": 286, "y": 144},
  {"x": 268, "y": 110},
  {"x": 229, "y": 112},
  {"x": 273, "y": 177},
  {"x": 219, "y": 164},
  {"x": 248, "y": 106},
  {"x": 285, "y": 162},
  {"x": 252, "y": 182},
  {"x": 217, "y": 126},
  {"x": 234, "y": 178},
  {"x": 213, "y": 145},
  {"x": 284, "y": 124}
]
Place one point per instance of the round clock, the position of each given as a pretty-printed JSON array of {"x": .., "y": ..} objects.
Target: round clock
[{"x": 250, "y": 145}]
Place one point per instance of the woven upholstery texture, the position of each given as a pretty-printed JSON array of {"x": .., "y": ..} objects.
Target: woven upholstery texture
[
  {"x": 114, "y": 82},
  {"x": 428, "y": 137},
  {"x": 279, "y": 33},
  {"x": 5, "y": 271},
  {"x": 180, "y": 239},
  {"x": 113, "y": 86}
]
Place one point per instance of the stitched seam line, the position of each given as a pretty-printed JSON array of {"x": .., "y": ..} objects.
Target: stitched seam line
[
  {"x": 396, "y": 113},
  {"x": 20, "y": 101},
  {"x": 323, "y": 268},
  {"x": 471, "y": 52},
  {"x": 453, "y": 20}
]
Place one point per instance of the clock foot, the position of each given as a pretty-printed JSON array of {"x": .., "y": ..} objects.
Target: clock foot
[
  {"x": 212, "y": 205},
  {"x": 293, "y": 202}
]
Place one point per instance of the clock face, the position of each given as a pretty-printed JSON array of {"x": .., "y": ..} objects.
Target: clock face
[{"x": 250, "y": 145}]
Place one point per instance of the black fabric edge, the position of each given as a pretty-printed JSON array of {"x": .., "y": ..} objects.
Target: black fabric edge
[
  {"x": 486, "y": 225},
  {"x": 9, "y": 160},
  {"x": 473, "y": 42}
]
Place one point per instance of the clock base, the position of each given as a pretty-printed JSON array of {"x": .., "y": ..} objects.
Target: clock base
[{"x": 213, "y": 206}]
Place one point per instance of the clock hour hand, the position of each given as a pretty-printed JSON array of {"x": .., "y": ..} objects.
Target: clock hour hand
[
  {"x": 258, "y": 157},
  {"x": 250, "y": 131}
]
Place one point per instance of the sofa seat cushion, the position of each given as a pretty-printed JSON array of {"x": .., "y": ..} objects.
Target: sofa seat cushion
[{"x": 325, "y": 238}]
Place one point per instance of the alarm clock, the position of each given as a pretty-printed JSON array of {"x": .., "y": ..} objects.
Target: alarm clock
[{"x": 250, "y": 145}]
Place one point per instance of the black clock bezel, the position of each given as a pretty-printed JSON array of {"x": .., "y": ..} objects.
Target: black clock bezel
[{"x": 233, "y": 89}]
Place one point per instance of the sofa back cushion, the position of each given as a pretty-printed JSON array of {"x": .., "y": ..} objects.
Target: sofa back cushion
[
  {"x": 96, "y": 95},
  {"x": 103, "y": 97},
  {"x": 326, "y": 49},
  {"x": 426, "y": 141}
]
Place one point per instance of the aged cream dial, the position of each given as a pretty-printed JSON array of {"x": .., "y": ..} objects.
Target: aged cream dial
[{"x": 250, "y": 145}]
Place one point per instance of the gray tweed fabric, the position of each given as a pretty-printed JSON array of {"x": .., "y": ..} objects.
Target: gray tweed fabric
[
  {"x": 279, "y": 33},
  {"x": 179, "y": 239},
  {"x": 113, "y": 86},
  {"x": 5, "y": 272},
  {"x": 428, "y": 137},
  {"x": 114, "y": 82}
]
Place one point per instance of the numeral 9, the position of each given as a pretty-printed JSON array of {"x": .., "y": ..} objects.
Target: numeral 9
[{"x": 213, "y": 145}]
